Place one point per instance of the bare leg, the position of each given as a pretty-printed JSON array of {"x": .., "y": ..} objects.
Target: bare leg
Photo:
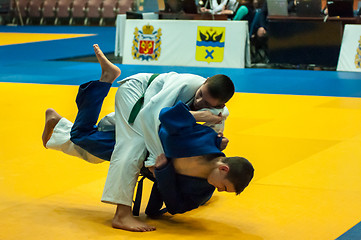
[
  {"x": 109, "y": 71},
  {"x": 51, "y": 119},
  {"x": 125, "y": 220}
]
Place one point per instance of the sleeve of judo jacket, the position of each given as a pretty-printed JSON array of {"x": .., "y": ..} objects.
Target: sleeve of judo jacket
[{"x": 176, "y": 119}]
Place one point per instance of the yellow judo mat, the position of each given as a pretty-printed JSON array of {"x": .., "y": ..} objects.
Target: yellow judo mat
[
  {"x": 19, "y": 38},
  {"x": 305, "y": 150}
]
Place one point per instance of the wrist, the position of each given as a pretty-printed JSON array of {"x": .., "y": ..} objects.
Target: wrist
[
  {"x": 161, "y": 166},
  {"x": 196, "y": 115}
]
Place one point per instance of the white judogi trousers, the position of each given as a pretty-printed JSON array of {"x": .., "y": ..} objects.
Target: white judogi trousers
[{"x": 129, "y": 150}]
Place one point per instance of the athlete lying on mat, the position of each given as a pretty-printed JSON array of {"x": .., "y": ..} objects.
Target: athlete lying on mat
[{"x": 192, "y": 150}]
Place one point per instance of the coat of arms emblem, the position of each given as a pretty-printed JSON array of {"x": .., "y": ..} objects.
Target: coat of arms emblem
[
  {"x": 146, "y": 43},
  {"x": 210, "y": 44}
]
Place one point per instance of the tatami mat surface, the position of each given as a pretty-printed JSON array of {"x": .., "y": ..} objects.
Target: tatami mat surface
[{"x": 307, "y": 172}]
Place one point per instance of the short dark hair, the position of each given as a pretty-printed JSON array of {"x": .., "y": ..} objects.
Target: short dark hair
[
  {"x": 240, "y": 172},
  {"x": 220, "y": 87}
]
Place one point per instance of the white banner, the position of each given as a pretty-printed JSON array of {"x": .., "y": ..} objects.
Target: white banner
[
  {"x": 186, "y": 43},
  {"x": 119, "y": 34},
  {"x": 350, "y": 54}
]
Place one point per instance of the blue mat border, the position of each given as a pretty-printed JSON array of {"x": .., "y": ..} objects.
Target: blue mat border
[
  {"x": 249, "y": 80},
  {"x": 353, "y": 234},
  {"x": 57, "y": 49}
]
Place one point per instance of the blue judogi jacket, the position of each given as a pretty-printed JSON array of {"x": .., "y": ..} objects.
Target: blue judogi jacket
[{"x": 180, "y": 135}]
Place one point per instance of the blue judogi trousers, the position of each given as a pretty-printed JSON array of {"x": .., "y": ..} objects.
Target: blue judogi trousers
[{"x": 84, "y": 132}]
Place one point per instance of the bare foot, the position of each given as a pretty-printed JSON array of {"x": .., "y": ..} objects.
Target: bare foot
[
  {"x": 110, "y": 72},
  {"x": 125, "y": 220},
  {"x": 51, "y": 119}
]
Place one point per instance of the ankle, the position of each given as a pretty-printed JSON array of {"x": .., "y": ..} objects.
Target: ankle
[{"x": 123, "y": 211}]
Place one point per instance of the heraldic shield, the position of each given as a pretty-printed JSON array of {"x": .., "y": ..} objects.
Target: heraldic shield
[
  {"x": 146, "y": 43},
  {"x": 210, "y": 44}
]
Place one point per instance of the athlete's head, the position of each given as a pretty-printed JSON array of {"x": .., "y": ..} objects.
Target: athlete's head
[
  {"x": 214, "y": 93},
  {"x": 232, "y": 174}
]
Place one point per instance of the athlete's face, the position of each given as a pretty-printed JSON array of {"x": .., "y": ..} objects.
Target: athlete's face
[
  {"x": 203, "y": 99},
  {"x": 218, "y": 179}
]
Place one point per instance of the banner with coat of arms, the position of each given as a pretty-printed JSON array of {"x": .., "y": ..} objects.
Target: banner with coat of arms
[
  {"x": 350, "y": 53},
  {"x": 186, "y": 43}
]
